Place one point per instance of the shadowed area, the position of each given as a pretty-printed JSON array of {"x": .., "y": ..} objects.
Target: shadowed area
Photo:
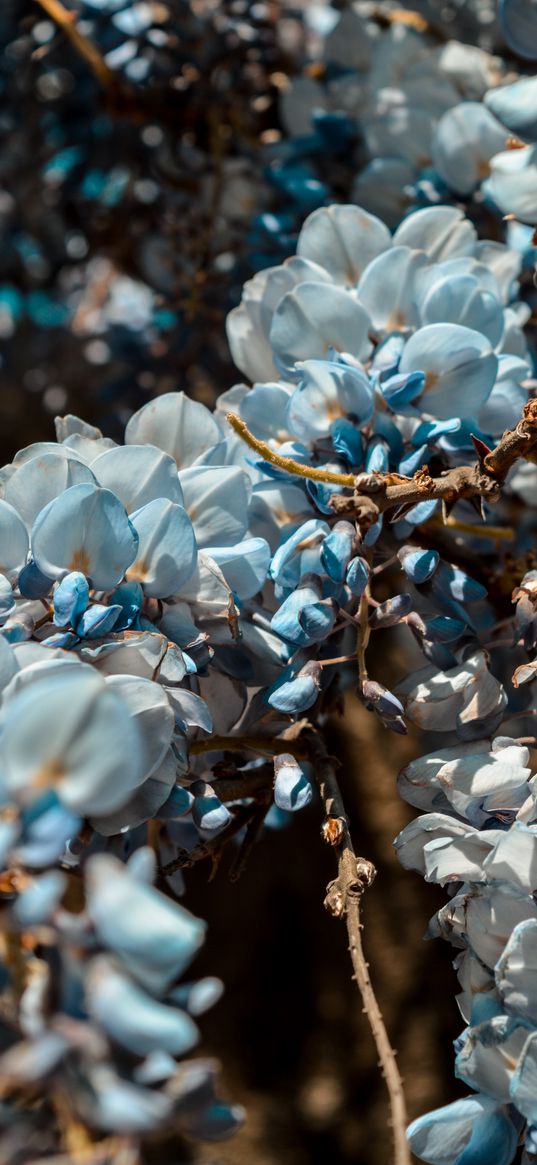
[{"x": 296, "y": 1049}]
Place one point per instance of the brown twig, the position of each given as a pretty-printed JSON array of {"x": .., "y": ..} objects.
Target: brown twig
[
  {"x": 251, "y": 836},
  {"x": 343, "y": 900},
  {"x": 252, "y": 783},
  {"x": 287, "y": 463},
  {"x": 85, "y": 48},
  {"x": 262, "y": 745},
  {"x": 209, "y": 849}
]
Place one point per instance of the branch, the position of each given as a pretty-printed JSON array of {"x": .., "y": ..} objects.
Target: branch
[
  {"x": 85, "y": 48},
  {"x": 287, "y": 463},
  {"x": 262, "y": 745},
  {"x": 209, "y": 849},
  {"x": 343, "y": 899},
  {"x": 377, "y": 492}
]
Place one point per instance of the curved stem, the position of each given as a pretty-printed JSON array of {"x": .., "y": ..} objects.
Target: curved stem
[
  {"x": 343, "y": 900},
  {"x": 262, "y": 745},
  {"x": 287, "y": 463}
]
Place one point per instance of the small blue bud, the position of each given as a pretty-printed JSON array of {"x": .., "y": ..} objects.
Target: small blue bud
[
  {"x": 71, "y": 598},
  {"x": 419, "y": 565},
  {"x": 292, "y": 789}
]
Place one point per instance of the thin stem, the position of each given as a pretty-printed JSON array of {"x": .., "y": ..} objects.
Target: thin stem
[
  {"x": 251, "y": 836},
  {"x": 337, "y": 659},
  {"x": 76, "y": 1137},
  {"x": 250, "y": 783},
  {"x": 263, "y": 745},
  {"x": 391, "y": 561},
  {"x": 343, "y": 899},
  {"x": 209, "y": 849},
  {"x": 287, "y": 463},
  {"x": 497, "y": 533},
  {"x": 85, "y": 48},
  {"x": 363, "y": 635}
]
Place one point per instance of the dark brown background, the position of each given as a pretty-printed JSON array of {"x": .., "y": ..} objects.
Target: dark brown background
[{"x": 295, "y": 1047}]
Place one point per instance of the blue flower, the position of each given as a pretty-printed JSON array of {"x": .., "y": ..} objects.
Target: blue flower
[{"x": 472, "y": 1131}]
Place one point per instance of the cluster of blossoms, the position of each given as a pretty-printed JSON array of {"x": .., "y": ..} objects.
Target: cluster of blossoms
[
  {"x": 179, "y": 600},
  {"x": 478, "y": 836},
  {"x": 392, "y": 348},
  {"x": 102, "y": 1018},
  {"x": 386, "y": 360},
  {"x": 165, "y": 119},
  {"x": 397, "y": 118}
]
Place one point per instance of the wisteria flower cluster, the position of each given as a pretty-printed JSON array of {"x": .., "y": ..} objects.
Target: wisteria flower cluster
[
  {"x": 103, "y": 1020},
  {"x": 400, "y": 119},
  {"x": 176, "y": 607},
  {"x": 377, "y": 376}
]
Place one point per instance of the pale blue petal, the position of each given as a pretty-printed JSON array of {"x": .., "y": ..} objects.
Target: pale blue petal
[
  {"x": 441, "y": 231},
  {"x": 472, "y": 1131},
  {"x": 71, "y": 598},
  {"x": 198, "y": 997},
  {"x": 286, "y": 565},
  {"x": 388, "y": 289},
  {"x": 190, "y": 710},
  {"x": 154, "y": 937},
  {"x": 132, "y": 1018},
  {"x": 38, "y": 481},
  {"x": 466, "y": 138},
  {"x": 40, "y": 899},
  {"x": 343, "y": 240},
  {"x": 146, "y": 802},
  {"x": 87, "y": 529},
  {"x": 419, "y": 565},
  {"x": 167, "y": 552},
  {"x": 460, "y": 369},
  {"x": 292, "y": 789},
  {"x": 357, "y": 576},
  {"x": 524, "y": 1082},
  {"x": 179, "y": 426},
  {"x": 315, "y": 317},
  {"x": 148, "y": 705},
  {"x": 117, "y": 1106},
  {"x": 92, "y": 759},
  {"x": 512, "y": 185},
  {"x": 516, "y": 972},
  {"x": 459, "y": 299},
  {"x": 295, "y": 691},
  {"x": 138, "y": 474},
  {"x": 7, "y": 598},
  {"x": 97, "y": 620},
  {"x": 504, "y": 406},
  {"x": 14, "y": 542},
  {"x": 209, "y": 814},
  {"x": 264, "y": 410},
  {"x": 327, "y": 391},
  {"x": 516, "y": 105},
  {"x": 243, "y": 566},
  {"x": 216, "y": 500}
]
